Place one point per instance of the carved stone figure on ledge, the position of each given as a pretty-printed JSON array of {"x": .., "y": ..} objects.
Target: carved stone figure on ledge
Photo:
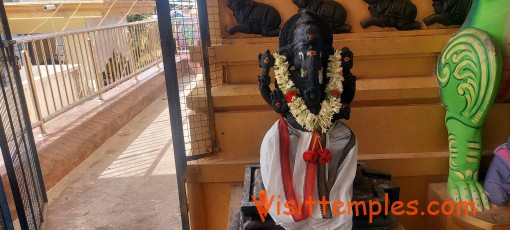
[
  {"x": 449, "y": 12},
  {"x": 400, "y": 14},
  {"x": 333, "y": 11},
  {"x": 309, "y": 153},
  {"x": 254, "y": 18}
]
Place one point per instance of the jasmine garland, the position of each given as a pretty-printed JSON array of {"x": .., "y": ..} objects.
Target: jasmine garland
[{"x": 329, "y": 107}]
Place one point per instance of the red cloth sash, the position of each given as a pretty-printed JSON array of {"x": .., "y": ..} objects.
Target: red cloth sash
[{"x": 301, "y": 211}]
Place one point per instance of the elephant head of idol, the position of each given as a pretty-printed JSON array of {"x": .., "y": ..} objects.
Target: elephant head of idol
[
  {"x": 306, "y": 40},
  {"x": 305, "y": 65}
]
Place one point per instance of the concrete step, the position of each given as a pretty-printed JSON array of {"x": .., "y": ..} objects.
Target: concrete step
[
  {"x": 412, "y": 171},
  {"x": 379, "y": 130},
  {"x": 377, "y": 54},
  {"x": 219, "y": 169},
  {"x": 365, "y": 67},
  {"x": 369, "y": 92},
  {"x": 369, "y": 44},
  {"x": 349, "y": 36}
]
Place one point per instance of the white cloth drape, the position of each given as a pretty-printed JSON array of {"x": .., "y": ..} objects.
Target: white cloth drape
[{"x": 336, "y": 139}]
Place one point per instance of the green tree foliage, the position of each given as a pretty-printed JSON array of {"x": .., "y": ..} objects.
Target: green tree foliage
[{"x": 137, "y": 17}]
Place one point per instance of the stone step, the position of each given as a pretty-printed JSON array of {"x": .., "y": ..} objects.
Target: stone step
[
  {"x": 369, "y": 44},
  {"x": 377, "y": 54},
  {"x": 214, "y": 178},
  {"x": 412, "y": 171},
  {"x": 379, "y": 130},
  {"x": 219, "y": 170},
  {"x": 369, "y": 92},
  {"x": 349, "y": 36},
  {"x": 388, "y": 66}
]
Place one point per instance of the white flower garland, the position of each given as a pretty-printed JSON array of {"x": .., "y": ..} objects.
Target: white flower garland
[{"x": 329, "y": 107}]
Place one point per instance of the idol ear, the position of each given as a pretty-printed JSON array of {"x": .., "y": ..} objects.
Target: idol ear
[
  {"x": 326, "y": 52},
  {"x": 285, "y": 51}
]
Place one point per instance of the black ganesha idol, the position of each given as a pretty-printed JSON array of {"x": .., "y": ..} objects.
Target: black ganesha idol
[
  {"x": 303, "y": 62},
  {"x": 308, "y": 152}
]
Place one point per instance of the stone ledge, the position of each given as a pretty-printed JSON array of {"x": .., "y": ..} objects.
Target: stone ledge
[
  {"x": 414, "y": 90},
  {"x": 495, "y": 218}
]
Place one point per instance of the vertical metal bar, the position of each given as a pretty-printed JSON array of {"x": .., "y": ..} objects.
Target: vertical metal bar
[
  {"x": 148, "y": 49},
  {"x": 153, "y": 43},
  {"x": 50, "y": 48},
  {"x": 123, "y": 45},
  {"x": 33, "y": 90},
  {"x": 111, "y": 60},
  {"x": 72, "y": 76},
  {"x": 99, "y": 87},
  {"x": 36, "y": 55},
  {"x": 115, "y": 57},
  {"x": 80, "y": 67},
  {"x": 47, "y": 74},
  {"x": 86, "y": 50},
  {"x": 146, "y": 44},
  {"x": 62, "y": 73},
  {"x": 206, "y": 43},
  {"x": 138, "y": 44},
  {"x": 150, "y": 38},
  {"x": 69, "y": 76},
  {"x": 118, "y": 54},
  {"x": 174, "y": 105},
  {"x": 127, "y": 47},
  {"x": 101, "y": 56},
  {"x": 160, "y": 53},
  {"x": 133, "y": 53},
  {"x": 83, "y": 65},
  {"x": 107, "y": 68}
]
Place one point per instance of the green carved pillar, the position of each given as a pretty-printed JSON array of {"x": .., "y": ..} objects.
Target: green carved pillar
[{"x": 469, "y": 72}]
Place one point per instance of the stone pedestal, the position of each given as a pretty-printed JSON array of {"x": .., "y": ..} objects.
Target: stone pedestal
[
  {"x": 368, "y": 185},
  {"x": 496, "y": 218}
]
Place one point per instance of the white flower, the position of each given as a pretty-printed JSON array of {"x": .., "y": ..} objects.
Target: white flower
[{"x": 329, "y": 107}]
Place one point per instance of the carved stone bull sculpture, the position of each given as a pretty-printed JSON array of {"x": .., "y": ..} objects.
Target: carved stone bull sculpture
[
  {"x": 400, "y": 14},
  {"x": 254, "y": 18},
  {"x": 449, "y": 12},
  {"x": 332, "y": 11}
]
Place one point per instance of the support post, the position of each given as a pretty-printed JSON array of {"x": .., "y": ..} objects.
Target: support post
[
  {"x": 174, "y": 105},
  {"x": 99, "y": 85},
  {"x": 205, "y": 40},
  {"x": 33, "y": 90}
]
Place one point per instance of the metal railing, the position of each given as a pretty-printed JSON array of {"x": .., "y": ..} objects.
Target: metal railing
[{"x": 62, "y": 70}]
